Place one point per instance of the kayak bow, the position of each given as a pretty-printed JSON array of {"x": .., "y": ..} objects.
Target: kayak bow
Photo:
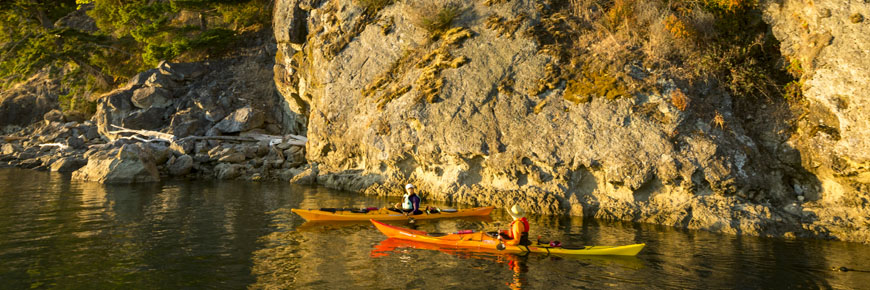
[
  {"x": 385, "y": 215},
  {"x": 483, "y": 242}
]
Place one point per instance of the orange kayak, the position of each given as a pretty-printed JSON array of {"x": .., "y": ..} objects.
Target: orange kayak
[
  {"x": 385, "y": 215},
  {"x": 480, "y": 241}
]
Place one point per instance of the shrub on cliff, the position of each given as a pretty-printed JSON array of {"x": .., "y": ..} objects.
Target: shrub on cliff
[{"x": 435, "y": 16}]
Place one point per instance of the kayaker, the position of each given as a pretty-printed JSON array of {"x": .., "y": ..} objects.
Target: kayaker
[
  {"x": 518, "y": 234},
  {"x": 410, "y": 201}
]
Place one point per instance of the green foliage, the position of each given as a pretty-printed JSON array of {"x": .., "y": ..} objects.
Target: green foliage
[{"x": 133, "y": 35}]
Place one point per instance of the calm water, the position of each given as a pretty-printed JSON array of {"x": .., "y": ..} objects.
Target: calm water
[{"x": 57, "y": 233}]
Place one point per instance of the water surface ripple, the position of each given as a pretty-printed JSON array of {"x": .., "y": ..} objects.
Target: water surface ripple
[{"x": 58, "y": 233}]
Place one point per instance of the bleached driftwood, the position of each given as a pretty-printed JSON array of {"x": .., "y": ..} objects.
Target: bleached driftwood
[
  {"x": 154, "y": 135},
  {"x": 59, "y": 145}
]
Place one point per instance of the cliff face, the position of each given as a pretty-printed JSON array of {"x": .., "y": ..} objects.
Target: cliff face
[
  {"x": 459, "y": 115},
  {"x": 831, "y": 41}
]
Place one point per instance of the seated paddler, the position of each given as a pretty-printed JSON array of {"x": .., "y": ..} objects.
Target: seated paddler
[
  {"x": 518, "y": 234},
  {"x": 410, "y": 201}
]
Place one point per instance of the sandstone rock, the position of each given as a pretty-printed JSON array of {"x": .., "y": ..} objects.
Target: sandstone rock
[
  {"x": 123, "y": 165},
  {"x": 148, "y": 97},
  {"x": 243, "y": 119},
  {"x": 182, "y": 165},
  {"x": 68, "y": 164}
]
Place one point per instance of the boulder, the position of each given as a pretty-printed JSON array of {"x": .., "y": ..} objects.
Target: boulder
[
  {"x": 30, "y": 163},
  {"x": 76, "y": 142},
  {"x": 182, "y": 165},
  {"x": 181, "y": 71},
  {"x": 186, "y": 123},
  {"x": 53, "y": 116},
  {"x": 148, "y": 97},
  {"x": 226, "y": 171},
  {"x": 306, "y": 177},
  {"x": 159, "y": 80},
  {"x": 9, "y": 149},
  {"x": 91, "y": 132},
  {"x": 146, "y": 119},
  {"x": 181, "y": 147},
  {"x": 128, "y": 164},
  {"x": 234, "y": 157},
  {"x": 159, "y": 153},
  {"x": 68, "y": 164},
  {"x": 243, "y": 119}
]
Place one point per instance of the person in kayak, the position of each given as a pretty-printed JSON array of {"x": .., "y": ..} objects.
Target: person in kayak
[
  {"x": 410, "y": 201},
  {"x": 519, "y": 229}
]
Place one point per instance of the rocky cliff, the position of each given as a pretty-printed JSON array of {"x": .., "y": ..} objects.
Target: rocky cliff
[
  {"x": 563, "y": 107},
  {"x": 831, "y": 42},
  {"x": 474, "y": 114}
]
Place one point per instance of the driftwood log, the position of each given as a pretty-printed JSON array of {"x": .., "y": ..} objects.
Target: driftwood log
[{"x": 154, "y": 136}]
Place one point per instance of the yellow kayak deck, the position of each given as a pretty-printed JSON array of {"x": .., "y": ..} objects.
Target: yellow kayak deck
[
  {"x": 482, "y": 242},
  {"x": 385, "y": 214}
]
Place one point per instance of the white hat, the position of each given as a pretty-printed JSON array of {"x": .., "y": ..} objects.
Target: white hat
[
  {"x": 516, "y": 212},
  {"x": 409, "y": 186}
]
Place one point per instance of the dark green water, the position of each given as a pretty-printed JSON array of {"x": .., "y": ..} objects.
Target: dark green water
[{"x": 57, "y": 233}]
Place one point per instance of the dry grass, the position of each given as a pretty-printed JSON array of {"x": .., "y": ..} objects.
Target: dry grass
[
  {"x": 435, "y": 17},
  {"x": 679, "y": 100}
]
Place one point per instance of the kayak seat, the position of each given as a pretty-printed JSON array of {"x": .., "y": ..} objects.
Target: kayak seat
[
  {"x": 492, "y": 234},
  {"x": 436, "y": 234},
  {"x": 329, "y": 209},
  {"x": 573, "y": 247}
]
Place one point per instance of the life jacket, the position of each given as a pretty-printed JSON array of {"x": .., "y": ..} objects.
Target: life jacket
[
  {"x": 406, "y": 203},
  {"x": 524, "y": 236},
  {"x": 525, "y": 224}
]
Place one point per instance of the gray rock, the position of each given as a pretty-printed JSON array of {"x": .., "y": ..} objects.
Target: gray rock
[
  {"x": 159, "y": 153},
  {"x": 226, "y": 171},
  {"x": 10, "y": 148},
  {"x": 30, "y": 163},
  {"x": 76, "y": 142},
  {"x": 148, "y": 97},
  {"x": 234, "y": 157},
  {"x": 68, "y": 164},
  {"x": 181, "y": 71},
  {"x": 91, "y": 132},
  {"x": 187, "y": 123},
  {"x": 181, "y": 147},
  {"x": 128, "y": 164},
  {"x": 53, "y": 116},
  {"x": 306, "y": 177},
  {"x": 182, "y": 165},
  {"x": 147, "y": 119},
  {"x": 243, "y": 119}
]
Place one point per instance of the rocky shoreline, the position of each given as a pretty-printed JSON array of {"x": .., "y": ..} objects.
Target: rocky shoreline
[{"x": 365, "y": 101}]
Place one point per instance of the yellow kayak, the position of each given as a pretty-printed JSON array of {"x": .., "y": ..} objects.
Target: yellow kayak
[
  {"x": 480, "y": 241},
  {"x": 384, "y": 214}
]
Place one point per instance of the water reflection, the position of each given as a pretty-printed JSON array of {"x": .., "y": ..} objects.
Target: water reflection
[{"x": 58, "y": 233}]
